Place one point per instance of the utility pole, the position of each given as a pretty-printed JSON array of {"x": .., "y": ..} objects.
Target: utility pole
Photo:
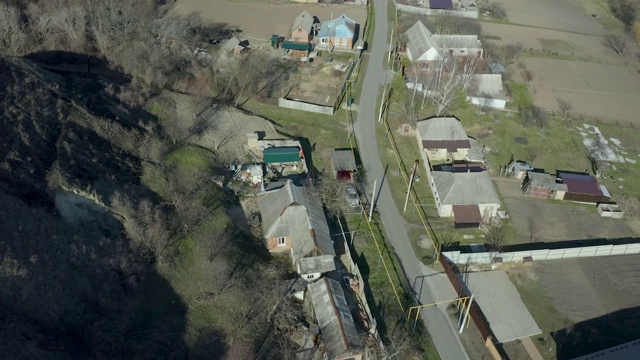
[
  {"x": 413, "y": 175},
  {"x": 466, "y": 314},
  {"x": 373, "y": 199},
  {"x": 384, "y": 91}
]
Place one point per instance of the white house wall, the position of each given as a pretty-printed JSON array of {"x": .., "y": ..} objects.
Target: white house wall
[
  {"x": 492, "y": 103},
  {"x": 431, "y": 55}
]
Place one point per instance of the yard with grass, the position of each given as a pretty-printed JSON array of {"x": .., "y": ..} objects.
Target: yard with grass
[{"x": 380, "y": 294}]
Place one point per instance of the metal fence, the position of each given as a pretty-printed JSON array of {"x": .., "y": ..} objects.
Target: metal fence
[
  {"x": 424, "y": 11},
  {"x": 543, "y": 254}
]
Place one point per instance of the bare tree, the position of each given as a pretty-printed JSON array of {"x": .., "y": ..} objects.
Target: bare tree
[
  {"x": 495, "y": 9},
  {"x": 12, "y": 35},
  {"x": 564, "y": 106},
  {"x": 532, "y": 153},
  {"x": 496, "y": 236},
  {"x": 512, "y": 51},
  {"x": 539, "y": 116},
  {"x": 527, "y": 75},
  {"x": 533, "y": 227},
  {"x": 617, "y": 42},
  {"x": 448, "y": 80},
  {"x": 525, "y": 117}
]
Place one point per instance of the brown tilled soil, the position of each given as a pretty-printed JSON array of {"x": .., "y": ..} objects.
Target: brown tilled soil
[{"x": 260, "y": 21}]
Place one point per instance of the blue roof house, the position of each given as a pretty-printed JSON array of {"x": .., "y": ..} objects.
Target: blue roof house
[{"x": 337, "y": 34}]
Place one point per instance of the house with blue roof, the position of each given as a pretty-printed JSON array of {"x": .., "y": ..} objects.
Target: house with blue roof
[{"x": 337, "y": 34}]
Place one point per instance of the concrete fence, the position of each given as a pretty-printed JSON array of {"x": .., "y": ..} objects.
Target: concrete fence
[
  {"x": 424, "y": 11},
  {"x": 305, "y": 106},
  {"x": 354, "y": 270},
  {"x": 543, "y": 254}
]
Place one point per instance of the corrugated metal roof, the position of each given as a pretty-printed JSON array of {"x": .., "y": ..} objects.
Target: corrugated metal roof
[
  {"x": 419, "y": 40},
  {"x": 318, "y": 264},
  {"x": 341, "y": 27},
  {"x": 457, "y": 41},
  {"x": 441, "y": 4},
  {"x": 450, "y": 145},
  {"x": 290, "y": 211},
  {"x": 580, "y": 183},
  {"x": 343, "y": 160},
  {"x": 465, "y": 188},
  {"x": 305, "y": 20},
  {"x": 281, "y": 154},
  {"x": 543, "y": 180},
  {"x": 337, "y": 328},
  {"x": 290, "y": 45},
  {"x": 467, "y": 214}
]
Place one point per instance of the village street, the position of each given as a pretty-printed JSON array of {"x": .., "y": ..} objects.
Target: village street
[{"x": 432, "y": 287}]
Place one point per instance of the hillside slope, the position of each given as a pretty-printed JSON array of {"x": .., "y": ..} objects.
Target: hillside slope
[{"x": 71, "y": 289}]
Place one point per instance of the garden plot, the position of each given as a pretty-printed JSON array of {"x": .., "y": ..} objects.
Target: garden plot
[{"x": 318, "y": 82}]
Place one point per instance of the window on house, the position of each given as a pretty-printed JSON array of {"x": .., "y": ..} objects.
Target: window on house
[
  {"x": 323, "y": 40},
  {"x": 309, "y": 277},
  {"x": 282, "y": 241},
  {"x": 344, "y": 42},
  {"x": 336, "y": 41}
]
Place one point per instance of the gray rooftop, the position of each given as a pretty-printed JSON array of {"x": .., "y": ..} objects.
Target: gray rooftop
[
  {"x": 419, "y": 39},
  {"x": 305, "y": 20},
  {"x": 318, "y": 264},
  {"x": 457, "y": 41},
  {"x": 465, "y": 188},
  {"x": 475, "y": 152},
  {"x": 343, "y": 160},
  {"x": 546, "y": 181},
  {"x": 441, "y": 128},
  {"x": 489, "y": 85},
  {"x": 337, "y": 328},
  {"x": 290, "y": 211},
  {"x": 501, "y": 304}
]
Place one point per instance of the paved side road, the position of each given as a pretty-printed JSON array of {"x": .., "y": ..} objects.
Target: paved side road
[{"x": 429, "y": 284}]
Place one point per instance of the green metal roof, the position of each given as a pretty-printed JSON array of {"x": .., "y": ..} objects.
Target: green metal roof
[
  {"x": 281, "y": 154},
  {"x": 295, "y": 45}
]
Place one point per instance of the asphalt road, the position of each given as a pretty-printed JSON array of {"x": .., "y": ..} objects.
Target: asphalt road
[{"x": 428, "y": 284}]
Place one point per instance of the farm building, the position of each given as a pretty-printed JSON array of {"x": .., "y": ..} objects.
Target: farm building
[
  {"x": 425, "y": 47},
  {"x": 565, "y": 185},
  {"x": 338, "y": 330},
  {"x": 420, "y": 46},
  {"x": 543, "y": 186},
  {"x": 296, "y": 50},
  {"x": 443, "y": 139},
  {"x": 518, "y": 169},
  {"x": 283, "y": 158},
  {"x": 459, "y": 45},
  {"x": 441, "y": 4},
  {"x": 343, "y": 164},
  {"x": 337, "y": 34},
  {"x": 582, "y": 187},
  {"x": 488, "y": 92},
  {"x": 293, "y": 223},
  {"x": 302, "y": 29},
  {"x": 451, "y": 189}
]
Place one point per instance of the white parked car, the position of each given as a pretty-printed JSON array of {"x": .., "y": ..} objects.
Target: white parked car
[{"x": 352, "y": 196}]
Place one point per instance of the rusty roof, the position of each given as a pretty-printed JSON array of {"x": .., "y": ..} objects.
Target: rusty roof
[{"x": 467, "y": 214}]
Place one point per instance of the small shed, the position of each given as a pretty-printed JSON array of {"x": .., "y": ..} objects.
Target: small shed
[
  {"x": 543, "y": 186},
  {"x": 297, "y": 49},
  {"x": 343, "y": 164},
  {"x": 610, "y": 210},
  {"x": 467, "y": 216},
  {"x": 274, "y": 155}
]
